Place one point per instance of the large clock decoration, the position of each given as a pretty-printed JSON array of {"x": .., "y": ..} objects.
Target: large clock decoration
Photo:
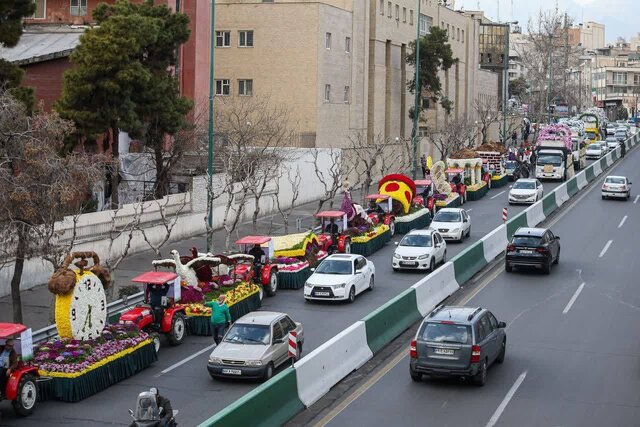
[{"x": 81, "y": 303}]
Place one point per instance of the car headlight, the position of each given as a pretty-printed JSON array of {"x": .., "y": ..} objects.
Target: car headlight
[
  {"x": 423, "y": 256},
  {"x": 454, "y": 230},
  {"x": 308, "y": 285},
  {"x": 215, "y": 360},
  {"x": 340, "y": 286},
  {"x": 253, "y": 363},
  {"x": 396, "y": 256}
]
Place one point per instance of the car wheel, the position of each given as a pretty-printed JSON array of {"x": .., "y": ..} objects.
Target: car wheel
[
  {"x": 480, "y": 378},
  {"x": 603, "y": 197},
  {"x": 352, "y": 295},
  {"x": 432, "y": 265},
  {"x": 415, "y": 376},
  {"x": 507, "y": 267},
  {"x": 469, "y": 232},
  {"x": 444, "y": 257},
  {"x": 557, "y": 260},
  {"x": 268, "y": 372},
  {"x": 503, "y": 350},
  {"x": 547, "y": 268},
  {"x": 371, "y": 283},
  {"x": 395, "y": 268},
  {"x": 628, "y": 194}
]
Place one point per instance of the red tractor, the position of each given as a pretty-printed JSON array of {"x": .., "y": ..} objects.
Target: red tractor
[
  {"x": 159, "y": 314},
  {"x": 425, "y": 186},
  {"x": 331, "y": 236},
  {"x": 456, "y": 180},
  {"x": 22, "y": 385},
  {"x": 250, "y": 268},
  {"x": 380, "y": 211}
]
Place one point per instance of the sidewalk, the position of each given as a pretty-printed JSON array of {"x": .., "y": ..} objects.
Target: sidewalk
[{"x": 37, "y": 301}]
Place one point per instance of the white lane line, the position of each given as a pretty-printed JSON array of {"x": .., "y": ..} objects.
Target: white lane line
[
  {"x": 469, "y": 210},
  {"x": 622, "y": 222},
  {"x": 573, "y": 299},
  {"x": 636, "y": 199},
  {"x": 183, "y": 361},
  {"x": 502, "y": 192},
  {"x": 606, "y": 247},
  {"x": 505, "y": 401}
]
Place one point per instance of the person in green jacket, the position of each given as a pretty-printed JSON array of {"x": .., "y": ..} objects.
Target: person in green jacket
[{"x": 220, "y": 317}]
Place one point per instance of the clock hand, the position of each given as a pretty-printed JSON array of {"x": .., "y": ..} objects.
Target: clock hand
[{"x": 87, "y": 320}]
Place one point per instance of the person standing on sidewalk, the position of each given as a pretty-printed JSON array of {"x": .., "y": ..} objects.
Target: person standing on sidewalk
[{"x": 220, "y": 317}]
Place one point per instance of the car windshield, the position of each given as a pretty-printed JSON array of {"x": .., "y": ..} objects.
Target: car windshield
[
  {"x": 610, "y": 139},
  {"x": 335, "y": 266},
  {"x": 524, "y": 185},
  {"x": 612, "y": 180},
  {"x": 416, "y": 240},
  {"x": 526, "y": 241},
  {"x": 248, "y": 334},
  {"x": 595, "y": 147},
  {"x": 446, "y": 333},
  {"x": 549, "y": 159},
  {"x": 444, "y": 216}
]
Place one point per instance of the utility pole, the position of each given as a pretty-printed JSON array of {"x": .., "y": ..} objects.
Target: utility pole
[
  {"x": 417, "y": 89},
  {"x": 550, "y": 79},
  {"x": 505, "y": 84},
  {"x": 212, "y": 40}
]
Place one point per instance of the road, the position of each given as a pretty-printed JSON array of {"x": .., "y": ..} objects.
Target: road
[
  {"x": 572, "y": 349},
  {"x": 180, "y": 372}
]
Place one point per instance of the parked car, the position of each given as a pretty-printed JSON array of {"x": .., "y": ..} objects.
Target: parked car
[
  {"x": 419, "y": 250},
  {"x": 533, "y": 247},
  {"x": 452, "y": 223},
  {"x": 457, "y": 342},
  {"x": 255, "y": 346},
  {"x": 612, "y": 142},
  {"x": 526, "y": 190},
  {"x": 616, "y": 186},
  {"x": 595, "y": 151},
  {"x": 340, "y": 277}
]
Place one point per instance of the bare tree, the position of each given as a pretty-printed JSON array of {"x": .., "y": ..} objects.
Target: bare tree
[
  {"x": 331, "y": 178},
  {"x": 456, "y": 134},
  {"x": 367, "y": 156},
  {"x": 294, "y": 180},
  {"x": 486, "y": 109},
  {"x": 168, "y": 221}
]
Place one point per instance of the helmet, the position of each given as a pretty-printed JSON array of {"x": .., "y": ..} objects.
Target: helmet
[{"x": 154, "y": 391}]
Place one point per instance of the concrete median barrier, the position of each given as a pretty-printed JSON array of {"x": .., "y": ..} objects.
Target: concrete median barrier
[
  {"x": 572, "y": 186},
  {"x": 549, "y": 204},
  {"x": 562, "y": 195},
  {"x": 435, "y": 288},
  {"x": 469, "y": 262},
  {"x": 589, "y": 173},
  {"x": 494, "y": 243},
  {"x": 516, "y": 222},
  {"x": 597, "y": 169},
  {"x": 535, "y": 214},
  {"x": 581, "y": 179},
  {"x": 325, "y": 366}
]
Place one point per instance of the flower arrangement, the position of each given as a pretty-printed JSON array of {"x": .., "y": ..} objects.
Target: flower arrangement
[
  {"x": 233, "y": 294},
  {"x": 377, "y": 230},
  {"x": 413, "y": 214},
  {"x": 443, "y": 203},
  {"x": 294, "y": 245},
  {"x": 556, "y": 132},
  {"x": 69, "y": 356},
  {"x": 476, "y": 186},
  {"x": 440, "y": 196}
]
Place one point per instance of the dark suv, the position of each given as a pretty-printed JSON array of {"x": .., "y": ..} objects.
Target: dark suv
[
  {"x": 457, "y": 342},
  {"x": 533, "y": 247}
]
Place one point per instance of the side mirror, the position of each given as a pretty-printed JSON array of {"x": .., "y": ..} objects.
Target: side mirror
[
  {"x": 396, "y": 243},
  {"x": 312, "y": 269},
  {"x": 502, "y": 324},
  {"x": 557, "y": 237}
]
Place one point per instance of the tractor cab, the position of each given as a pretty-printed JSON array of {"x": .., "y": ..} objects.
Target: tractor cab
[
  {"x": 21, "y": 386},
  {"x": 455, "y": 177},
  {"x": 332, "y": 236},
  {"x": 380, "y": 210},
  {"x": 255, "y": 263},
  {"x": 424, "y": 194},
  {"x": 159, "y": 313}
]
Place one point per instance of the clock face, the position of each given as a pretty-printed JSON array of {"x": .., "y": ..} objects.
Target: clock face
[{"x": 88, "y": 308}]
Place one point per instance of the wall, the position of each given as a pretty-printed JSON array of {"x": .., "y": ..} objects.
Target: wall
[{"x": 46, "y": 79}]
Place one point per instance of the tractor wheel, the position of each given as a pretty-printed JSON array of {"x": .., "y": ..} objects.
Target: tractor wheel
[
  {"x": 272, "y": 287},
  {"x": 392, "y": 228},
  {"x": 155, "y": 338},
  {"x": 27, "y": 397},
  {"x": 347, "y": 246},
  {"x": 178, "y": 329}
]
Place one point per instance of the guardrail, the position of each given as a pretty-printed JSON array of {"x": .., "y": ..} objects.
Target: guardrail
[{"x": 114, "y": 308}]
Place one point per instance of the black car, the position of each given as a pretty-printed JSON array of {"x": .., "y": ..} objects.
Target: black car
[
  {"x": 533, "y": 247},
  {"x": 513, "y": 170}
]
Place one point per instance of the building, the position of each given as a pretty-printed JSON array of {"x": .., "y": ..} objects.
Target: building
[{"x": 589, "y": 35}]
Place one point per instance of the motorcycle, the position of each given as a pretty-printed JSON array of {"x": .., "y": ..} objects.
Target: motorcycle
[{"x": 148, "y": 414}]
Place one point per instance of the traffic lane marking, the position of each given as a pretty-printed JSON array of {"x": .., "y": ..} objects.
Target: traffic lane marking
[
  {"x": 502, "y": 192},
  {"x": 573, "y": 299},
  {"x": 605, "y": 249},
  {"x": 512, "y": 391},
  {"x": 622, "y": 221},
  {"x": 183, "y": 361},
  {"x": 636, "y": 199}
]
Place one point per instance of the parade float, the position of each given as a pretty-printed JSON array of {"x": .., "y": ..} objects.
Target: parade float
[
  {"x": 444, "y": 196},
  {"x": 494, "y": 158},
  {"x": 424, "y": 194},
  {"x": 88, "y": 355},
  {"x": 400, "y": 192},
  {"x": 469, "y": 164},
  {"x": 295, "y": 255}
]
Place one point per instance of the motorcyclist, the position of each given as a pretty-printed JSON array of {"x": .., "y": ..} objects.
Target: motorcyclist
[
  {"x": 166, "y": 413},
  {"x": 146, "y": 413}
]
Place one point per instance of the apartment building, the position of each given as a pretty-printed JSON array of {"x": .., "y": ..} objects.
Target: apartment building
[{"x": 589, "y": 35}]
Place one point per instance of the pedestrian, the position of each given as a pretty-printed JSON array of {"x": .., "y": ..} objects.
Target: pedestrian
[
  {"x": 423, "y": 163},
  {"x": 623, "y": 149},
  {"x": 514, "y": 138},
  {"x": 220, "y": 317}
]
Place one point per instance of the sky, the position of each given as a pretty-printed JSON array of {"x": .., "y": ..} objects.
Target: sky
[{"x": 620, "y": 17}]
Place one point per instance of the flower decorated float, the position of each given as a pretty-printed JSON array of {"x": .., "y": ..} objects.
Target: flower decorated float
[
  {"x": 402, "y": 193},
  {"x": 468, "y": 161},
  {"x": 295, "y": 255},
  {"x": 554, "y": 153},
  {"x": 366, "y": 237},
  {"x": 494, "y": 158},
  {"x": 444, "y": 196},
  {"x": 89, "y": 355}
]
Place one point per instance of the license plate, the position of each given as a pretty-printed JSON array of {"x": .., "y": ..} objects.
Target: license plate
[
  {"x": 526, "y": 252},
  {"x": 322, "y": 294},
  {"x": 445, "y": 351},
  {"x": 408, "y": 264},
  {"x": 232, "y": 371}
]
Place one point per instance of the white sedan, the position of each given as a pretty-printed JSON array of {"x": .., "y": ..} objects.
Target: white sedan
[
  {"x": 595, "y": 150},
  {"x": 616, "y": 186},
  {"x": 452, "y": 223},
  {"x": 420, "y": 250},
  {"x": 526, "y": 190},
  {"x": 340, "y": 277}
]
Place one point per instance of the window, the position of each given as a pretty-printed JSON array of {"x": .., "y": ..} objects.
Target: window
[
  {"x": 458, "y": 34},
  {"x": 78, "y": 7},
  {"x": 487, "y": 325},
  {"x": 397, "y": 13},
  {"x": 411, "y": 17},
  {"x": 327, "y": 41},
  {"x": 382, "y": 7},
  {"x": 620, "y": 78},
  {"x": 347, "y": 94},
  {"x": 277, "y": 332},
  {"x": 425, "y": 22},
  {"x": 404, "y": 14},
  {"x": 41, "y": 8},
  {"x": 442, "y": 332},
  {"x": 361, "y": 263},
  {"x": 347, "y": 44},
  {"x": 245, "y": 38},
  {"x": 223, "y": 87},
  {"x": 290, "y": 324},
  {"x": 327, "y": 93},
  {"x": 245, "y": 87},
  {"x": 462, "y": 36},
  {"x": 223, "y": 38},
  {"x": 389, "y": 9}
]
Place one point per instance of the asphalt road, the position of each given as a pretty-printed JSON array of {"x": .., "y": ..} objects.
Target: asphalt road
[
  {"x": 180, "y": 372},
  {"x": 572, "y": 349}
]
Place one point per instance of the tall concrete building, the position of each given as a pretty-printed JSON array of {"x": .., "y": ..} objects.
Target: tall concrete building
[{"x": 589, "y": 35}]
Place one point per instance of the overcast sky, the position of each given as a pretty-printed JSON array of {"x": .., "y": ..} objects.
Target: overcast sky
[{"x": 620, "y": 17}]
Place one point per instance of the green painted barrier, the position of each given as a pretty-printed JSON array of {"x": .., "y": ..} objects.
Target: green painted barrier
[
  {"x": 516, "y": 222},
  {"x": 572, "y": 187},
  {"x": 549, "y": 204},
  {"x": 391, "y": 319},
  {"x": 469, "y": 262},
  {"x": 590, "y": 175},
  {"x": 272, "y": 403}
]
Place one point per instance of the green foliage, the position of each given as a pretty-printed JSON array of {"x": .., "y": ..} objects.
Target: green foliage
[
  {"x": 622, "y": 113},
  {"x": 518, "y": 87},
  {"x": 435, "y": 55},
  {"x": 11, "y": 14},
  {"x": 11, "y": 78}
]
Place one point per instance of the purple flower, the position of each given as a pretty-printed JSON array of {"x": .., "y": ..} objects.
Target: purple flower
[
  {"x": 66, "y": 353},
  {"x": 59, "y": 359}
]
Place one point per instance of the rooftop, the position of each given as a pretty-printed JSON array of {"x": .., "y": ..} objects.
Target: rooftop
[{"x": 43, "y": 43}]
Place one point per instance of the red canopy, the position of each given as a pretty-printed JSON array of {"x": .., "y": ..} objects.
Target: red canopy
[
  {"x": 253, "y": 240},
  {"x": 8, "y": 330},
  {"x": 454, "y": 170},
  {"x": 330, "y": 214},
  {"x": 155, "y": 277},
  {"x": 422, "y": 182},
  {"x": 377, "y": 196}
]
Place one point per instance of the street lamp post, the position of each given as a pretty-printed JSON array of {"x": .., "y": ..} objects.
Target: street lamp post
[
  {"x": 505, "y": 81},
  {"x": 549, "y": 82},
  {"x": 212, "y": 39},
  {"x": 417, "y": 89}
]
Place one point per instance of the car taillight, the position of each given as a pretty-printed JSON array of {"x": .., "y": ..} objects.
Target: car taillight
[
  {"x": 542, "y": 250},
  {"x": 413, "y": 351},
  {"x": 511, "y": 248},
  {"x": 475, "y": 354}
]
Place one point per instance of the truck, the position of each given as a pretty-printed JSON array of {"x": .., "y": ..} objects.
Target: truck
[
  {"x": 554, "y": 155},
  {"x": 592, "y": 127}
]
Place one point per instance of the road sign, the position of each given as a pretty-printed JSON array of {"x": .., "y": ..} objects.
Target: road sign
[
  {"x": 293, "y": 345},
  {"x": 504, "y": 214}
]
